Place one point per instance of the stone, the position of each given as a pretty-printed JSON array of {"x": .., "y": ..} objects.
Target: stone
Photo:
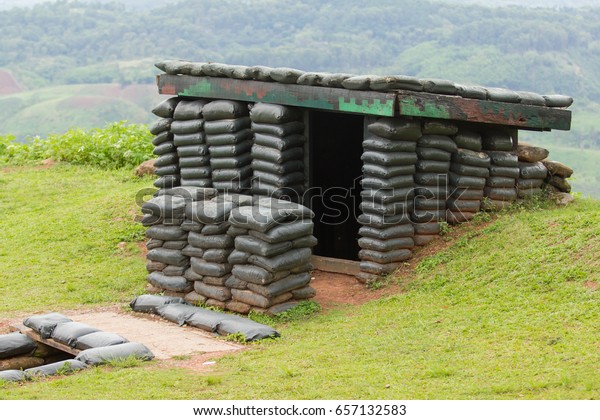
[
  {"x": 562, "y": 198},
  {"x": 560, "y": 183},
  {"x": 558, "y": 168},
  {"x": 527, "y": 153},
  {"x": 145, "y": 168}
]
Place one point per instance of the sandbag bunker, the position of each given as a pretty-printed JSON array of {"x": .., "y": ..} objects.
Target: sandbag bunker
[{"x": 369, "y": 168}]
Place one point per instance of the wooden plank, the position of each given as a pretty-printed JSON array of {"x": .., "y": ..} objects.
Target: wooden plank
[
  {"x": 448, "y": 107},
  {"x": 48, "y": 341},
  {"x": 336, "y": 265},
  {"x": 341, "y": 100}
]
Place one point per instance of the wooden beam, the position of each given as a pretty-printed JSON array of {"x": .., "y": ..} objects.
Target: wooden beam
[
  {"x": 47, "y": 341},
  {"x": 331, "y": 99},
  {"x": 448, "y": 107},
  {"x": 336, "y": 265}
]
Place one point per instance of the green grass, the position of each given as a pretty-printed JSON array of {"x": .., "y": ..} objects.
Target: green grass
[{"x": 508, "y": 311}]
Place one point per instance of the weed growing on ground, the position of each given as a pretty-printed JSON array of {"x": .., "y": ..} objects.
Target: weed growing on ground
[{"x": 124, "y": 362}]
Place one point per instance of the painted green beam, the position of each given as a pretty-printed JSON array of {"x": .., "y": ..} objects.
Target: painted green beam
[
  {"x": 480, "y": 111},
  {"x": 341, "y": 100}
]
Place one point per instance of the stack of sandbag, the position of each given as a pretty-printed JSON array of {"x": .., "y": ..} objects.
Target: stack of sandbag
[
  {"x": 164, "y": 216},
  {"x": 469, "y": 172},
  {"x": 532, "y": 176},
  {"x": 278, "y": 150},
  {"x": 271, "y": 261},
  {"x": 229, "y": 139},
  {"x": 190, "y": 140},
  {"x": 500, "y": 189},
  {"x": 167, "y": 163},
  {"x": 557, "y": 176},
  {"x": 387, "y": 196},
  {"x": 434, "y": 149}
]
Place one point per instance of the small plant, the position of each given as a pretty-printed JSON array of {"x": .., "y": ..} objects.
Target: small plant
[
  {"x": 481, "y": 217},
  {"x": 213, "y": 380},
  {"x": 237, "y": 337},
  {"x": 303, "y": 310},
  {"x": 445, "y": 228},
  {"x": 124, "y": 362}
]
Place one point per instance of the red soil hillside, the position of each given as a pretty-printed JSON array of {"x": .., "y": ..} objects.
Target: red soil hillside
[{"x": 8, "y": 84}]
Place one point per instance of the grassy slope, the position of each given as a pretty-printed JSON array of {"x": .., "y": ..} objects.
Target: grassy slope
[{"x": 509, "y": 311}]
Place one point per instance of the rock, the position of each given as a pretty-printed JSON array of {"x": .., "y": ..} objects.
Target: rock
[
  {"x": 145, "y": 168},
  {"x": 21, "y": 362},
  {"x": 527, "y": 153},
  {"x": 560, "y": 183},
  {"x": 557, "y": 168},
  {"x": 562, "y": 199}
]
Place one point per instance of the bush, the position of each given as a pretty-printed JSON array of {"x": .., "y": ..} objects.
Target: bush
[{"x": 118, "y": 145}]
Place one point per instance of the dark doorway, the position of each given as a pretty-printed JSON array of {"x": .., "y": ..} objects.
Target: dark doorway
[{"x": 335, "y": 169}]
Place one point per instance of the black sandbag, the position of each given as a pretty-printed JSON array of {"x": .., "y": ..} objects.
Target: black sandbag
[
  {"x": 279, "y": 287},
  {"x": 390, "y": 209},
  {"x": 201, "y": 183},
  {"x": 505, "y": 159},
  {"x": 163, "y": 124},
  {"x": 165, "y": 206},
  {"x": 168, "y": 159},
  {"x": 469, "y": 170},
  {"x": 467, "y": 193},
  {"x": 310, "y": 79},
  {"x": 440, "y": 128},
  {"x": 472, "y": 92},
  {"x": 164, "y": 148},
  {"x": 189, "y": 110},
  {"x": 387, "y": 171},
  {"x": 497, "y": 140},
  {"x": 191, "y": 226},
  {"x": 274, "y": 114},
  {"x": 172, "y": 283},
  {"x": 387, "y": 83},
  {"x": 502, "y": 194},
  {"x": 196, "y": 173},
  {"x": 495, "y": 205},
  {"x": 303, "y": 293},
  {"x": 261, "y": 73},
  {"x": 167, "y": 256},
  {"x": 396, "y": 129},
  {"x": 167, "y": 170},
  {"x": 207, "y": 320},
  {"x": 167, "y": 233},
  {"x": 378, "y": 269},
  {"x": 236, "y": 162},
  {"x": 229, "y": 138},
  {"x": 500, "y": 182},
  {"x": 192, "y": 251},
  {"x": 466, "y": 181},
  {"x": 506, "y": 171},
  {"x": 380, "y": 144},
  {"x": 455, "y": 218},
  {"x": 530, "y": 183},
  {"x": 291, "y": 192},
  {"x": 62, "y": 367},
  {"x": 251, "y": 330},
  {"x": 68, "y": 332},
  {"x": 162, "y": 137},
  {"x": 199, "y": 163},
  {"x": 440, "y": 191},
  {"x": 503, "y": 95},
  {"x": 531, "y": 98},
  {"x": 210, "y": 241},
  {"x": 285, "y": 75},
  {"x": 526, "y": 193},
  {"x": 285, "y": 261},
  {"x": 558, "y": 101},
  {"x": 305, "y": 242},
  {"x": 45, "y": 324},
  {"x": 209, "y": 212},
  {"x": 224, "y": 109},
  {"x": 384, "y": 245},
  {"x": 433, "y": 141},
  {"x": 178, "y": 313},
  {"x": 257, "y": 275},
  {"x": 428, "y": 216},
  {"x": 441, "y": 86},
  {"x": 361, "y": 82},
  {"x": 216, "y": 255},
  {"x": 238, "y": 257},
  {"x": 190, "y": 193},
  {"x": 100, "y": 355},
  {"x": 280, "y": 181},
  {"x": 287, "y": 207},
  {"x": 226, "y": 126},
  {"x": 236, "y": 72},
  {"x": 187, "y": 127},
  {"x": 431, "y": 153},
  {"x": 280, "y": 143},
  {"x": 236, "y": 199},
  {"x": 99, "y": 339},
  {"x": 174, "y": 270},
  {"x": 167, "y": 181},
  {"x": 276, "y": 156},
  {"x": 194, "y": 150},
  {"x": 220, "y": 293},
  {"x": 398, "y": 231},
  {"x": 468, "y": 140},
  {"x": 400, "y": 181},
  {"x": 257, "y": 246},
  {"x": 280, "y": 169},
  {"x": 422, "y": 203},
  {"x": 193, "y": 139},
  {"x": 430, "y": 228},
  {"x": 233, "y": 282},
  {"x": 15, "y": 344},
  {"x": 166, "y": 108},
  {"x": 535, "y": 170},
  {"x": 389, "y": 159},
  {"x": 471, "y": 206},
  {"x": 471, "y": 158},
  {"x": 204, "y": 268},
  {"x": 379, "y": 221},
  {"x": 12, "y": 375},
  {"x": 192, "y": 276},
  {"x": 428, "y": 179},
  {"x": 432, "y": 166},
  {"x": 278, "y": 130},
  {"x": 285, "y": 232},
  {"x": 149, "y": 303},
  {"x": 386, "y": 196},
  {"x": 174, "y": 66},
  {"x": 257, "y": 300},
  {"x": 224, "y": 175},
  {"x": 388, "y": 257},
  {"x": 230, "y": 150},
  {"x": 216, "y": 229},
  {"x": 259, "y": 218}
]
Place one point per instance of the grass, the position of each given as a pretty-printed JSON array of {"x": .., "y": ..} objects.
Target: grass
[{"x": 508, "y": 310}]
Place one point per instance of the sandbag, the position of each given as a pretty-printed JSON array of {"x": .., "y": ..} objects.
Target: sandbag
[
  {"x": 467, "y": 193},
  {"x": 379, "y": 269},
  {"x": 209, "y": 212},
  {"x": 280, "y": 143},
  {"x": 236, "y": 231},
  {"x": 12, "y": 375},
  {"x": 167, "y": 170},
  {"x": 189, "y": 110},
  {"x": 165, "y": 160},
  {"x": 228, "y": 175},
  {"x": 439, "y": 191},
  {"x": 503, "y": 95},
  {"x": 468, "y": 170},
  {"x": 286, "y": 284},
  {"x": 507, "y": 159},
  {"x": 100, "y": 355},
  {"x": 205, "y": 268},
  {"x": 396, "y": 129},
  {"x": 472, "y": 92},
  {"x": 305, "y": 292},
  {"x": 530, "y": 183},
  {"x": 454, "y": 218},
  {"x": 162, "y": 137},
  {"x": 196, "y": 173},
  {"x": 234, "y": 283},
  {"x": 285, "y": 75},
  {"x": 390, "y": 209},
  {"x": 99, "y": 339},
  {"x": 428, "y": 216},
  {"x": 192, "y": 276},
  {"x": 164, "y": 148},
  {"x": 45, "y": 324},
  {"x": 192, "y": 251},
  {"x": 399, "y": 231},
  {"x": 276, "y": 156},
  {"x": 471, "y": 158},
  {"x": 505, "y": 171},
  {"x": 434, "y": 141},
  {"x": 235, "y": 162},
  {"x": 429, "y": 179},
  {"x": 389, "y": 159},
  {"x": 257, "y": 246},
  {"x": 387, "y": 195},
  {"x": 165, "y": 206},
  {"x": 278, "y": 130},
  {"x": 531, "y": 98},
  {"x": 386, "y": 245},
  {"x": 361, "y": 82},
  {"x": 285, "y": 261},
  {"x": 261, "y": 73},
  {"x": 500, "y": 182},
  {"x": 287, "y": 207},
  {"x": 200, "y": 183},
  {"x": 192, "y": 139},
  {"x": 382, "y": 221},
  {"x": 149, "y": 303},
  {"x": 216, "y": 255},
  {"x": 533, "y": 170},
  {"x": 502, "y": 194},
  {"x": 466, "y": 181},
  {"x": 558, "y": 101},
  {"x": 468, "y": 140},
  {"x": 432, "y": 166},
  {"x": 497, "y": 140},
  {"x": 284, "y": 232},
  {"x": 431, "y": 228},
  {"x": 387, "y": 83},
  {"x": 400, "y": 181},
  {"x": 68, "y": 332},
  {"x": 230, "y": 150},
  {"x": 210, "y": 241},
  {"x": 380, "y": 144},
  {"x": 166, "y": 108},
  {"x": 305, "y": 242},
  {"x": 440, "y": 128},
  {"x": 227, "y": 139},
  {"x": 238, "y": 257},
  {"x": 259, "y": 218},
  {"x": 495, "y": 205},
  {"x": 249, "y": 329},
  {"x": 207, "y": 320},
  {"x": 430, "y": 153},
  {"x": 224, "y": 109},
  {"x": 422, "y": 203},
  {"x": 187, "y": 127},
  {"x": 176, "y": 312},
  {"x": 195, "y": 151},
  {"x": 163, "y": 124},
  {"x": 62, "y": 367},
  {"x": 279, "y": 169},
  {"x": 255, "y": 299},
  {"x": 442, "y": 86},
  {"x": 172, "y": 283},
  {"x": 219, "y": 293},
  {"x": 471, "y": 206},
  {"x": 274, "y": 114},
  {"x": 174, "y": 270},
  {"x": 167, "y": 256},
  {"x": 225, "y": 126},
  {"x": 15, "y": 344},
  {"x": 529, "y": 192}
]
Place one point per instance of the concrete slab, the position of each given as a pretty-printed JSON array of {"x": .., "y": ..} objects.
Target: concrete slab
[{"x": 165, "y": 339}]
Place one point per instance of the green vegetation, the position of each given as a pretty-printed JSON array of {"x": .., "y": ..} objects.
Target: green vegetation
[
  {"x": 508, "y": 311},
  {"x": 118, "y": 145}
]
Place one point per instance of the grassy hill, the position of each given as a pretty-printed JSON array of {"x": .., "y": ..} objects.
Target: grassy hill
[{"x": 508, "y": 309}]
